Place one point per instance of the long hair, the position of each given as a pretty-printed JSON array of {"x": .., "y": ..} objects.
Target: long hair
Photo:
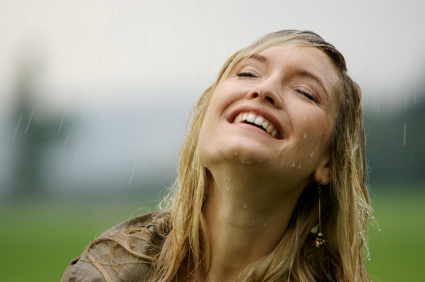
[
  {"x": 184, "y": 247},
  {"x": 345, "y": 200}
]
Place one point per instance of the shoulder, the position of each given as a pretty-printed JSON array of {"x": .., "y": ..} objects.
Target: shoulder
[
  {"x": 144, "y": 220},
  {"x": 122, "y": 253}
]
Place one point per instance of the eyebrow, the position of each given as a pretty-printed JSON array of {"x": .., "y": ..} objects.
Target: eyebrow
[{"x": 258, "y": 57}]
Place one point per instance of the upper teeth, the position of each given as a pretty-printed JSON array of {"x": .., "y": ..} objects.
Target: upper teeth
[{"x": 258, "y": 120}]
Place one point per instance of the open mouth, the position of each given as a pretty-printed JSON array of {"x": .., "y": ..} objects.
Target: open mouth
[{"x": 258, "y": 121}]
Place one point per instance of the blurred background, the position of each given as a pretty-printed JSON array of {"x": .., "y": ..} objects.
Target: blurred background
[{"x": 95, "y": 95}]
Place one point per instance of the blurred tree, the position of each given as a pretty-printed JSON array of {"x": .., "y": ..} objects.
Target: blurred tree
[
  {"x": 396, "y": 145},
  {"x": 36, "y": 128}
]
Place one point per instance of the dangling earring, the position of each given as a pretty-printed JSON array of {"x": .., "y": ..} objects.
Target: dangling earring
[{"x": 320, "y": 240}]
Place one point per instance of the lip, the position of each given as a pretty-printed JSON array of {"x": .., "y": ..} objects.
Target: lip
[{"x": 258, "y": 110}]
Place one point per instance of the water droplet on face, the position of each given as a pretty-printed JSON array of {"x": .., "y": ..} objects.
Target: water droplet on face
[
  {"x": 312, "y": 153},
  {"x": 248, "y": 163},
  {"x": 265, "y": 224},
  {"x": 244, "y": 206},
  {"x": 305, "y": 135},
  {"x": 299, "y": 166},
  {"x": 293, "y": 164},
  {"x": 236, "y": 153},
  {"x": 228, "y": 179},
  {"x": 227, "y": 188}
]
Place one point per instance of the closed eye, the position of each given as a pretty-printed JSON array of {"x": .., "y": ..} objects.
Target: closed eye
[
  {"x": 306, "y": 94},
  {"x": 245, "y": 73}
]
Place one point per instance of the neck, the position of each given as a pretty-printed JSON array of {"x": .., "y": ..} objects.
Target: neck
[{"x": 246, "y": 217}]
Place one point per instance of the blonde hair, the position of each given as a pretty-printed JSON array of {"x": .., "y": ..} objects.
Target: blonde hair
[{"x": 344, "y": 201}]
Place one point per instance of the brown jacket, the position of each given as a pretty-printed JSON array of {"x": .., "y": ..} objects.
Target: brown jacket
[{"x": 131, "y": 268}]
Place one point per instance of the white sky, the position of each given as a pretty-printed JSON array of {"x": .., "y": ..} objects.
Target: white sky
[{"x": 97, "y": 50}]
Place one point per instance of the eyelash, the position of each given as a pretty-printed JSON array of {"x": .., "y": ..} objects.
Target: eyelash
[
  {"x": 306, "y": 94},
  {"x": 245, "y": 74}
]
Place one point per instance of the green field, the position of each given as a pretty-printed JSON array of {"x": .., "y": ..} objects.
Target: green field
[{"x": 38, "y": 239}]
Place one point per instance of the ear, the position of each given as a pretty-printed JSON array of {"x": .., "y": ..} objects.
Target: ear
[{"x": 322, "y": 173}]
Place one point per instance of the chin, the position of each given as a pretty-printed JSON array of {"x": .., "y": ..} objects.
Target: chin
[{"x": 236, "y": 154}]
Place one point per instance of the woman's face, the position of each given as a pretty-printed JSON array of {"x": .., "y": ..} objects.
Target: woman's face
[{"x": 274, "y": 113}]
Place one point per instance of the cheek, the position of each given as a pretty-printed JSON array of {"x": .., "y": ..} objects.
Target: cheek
[
  {"x": 209, "y": 131},
  {"x": 203, "y": 142},
  {"x": 310, "y": 122},
  {"x": 313, "y": 134}
]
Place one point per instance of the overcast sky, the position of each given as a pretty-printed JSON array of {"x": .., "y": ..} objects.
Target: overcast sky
[{"x": 102, "y": 50}]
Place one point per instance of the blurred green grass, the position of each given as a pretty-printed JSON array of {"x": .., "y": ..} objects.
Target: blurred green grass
[
  {"x": 39, "y": 238},
  {"x": 397, "y": 251}
]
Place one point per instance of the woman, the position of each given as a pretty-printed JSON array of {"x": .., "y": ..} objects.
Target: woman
[{"x": 271, "y": 183}]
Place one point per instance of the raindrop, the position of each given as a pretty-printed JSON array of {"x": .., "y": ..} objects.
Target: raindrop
[
  {"x": 312, "y": 153},
  {"x": 404, "y": 135},
  {"x": 29, "y": 121},
  {"x": 305, "y": 135},
  {"x": 64, "y": 145},
  {"x": 299, "y": 166},
  {"x": 368, "y": 258},
  {"x": 236, "y": 153},
  {"x": 16, "y": 129},
  {"x": 227, "y": 188},
  {"x": 132, "y": 173},
  {"x": 228, "y": 179},
  {"x": 60, "y": 126}
]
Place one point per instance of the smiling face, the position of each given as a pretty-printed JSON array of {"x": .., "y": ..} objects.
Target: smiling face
[{"x": 275, "y": 110}]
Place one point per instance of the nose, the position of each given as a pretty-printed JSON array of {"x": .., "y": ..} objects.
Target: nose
[{"x": 267, "y": 91}]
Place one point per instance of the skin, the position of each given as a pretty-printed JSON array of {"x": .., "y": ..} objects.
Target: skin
[{"x": 255, "y": 179}]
